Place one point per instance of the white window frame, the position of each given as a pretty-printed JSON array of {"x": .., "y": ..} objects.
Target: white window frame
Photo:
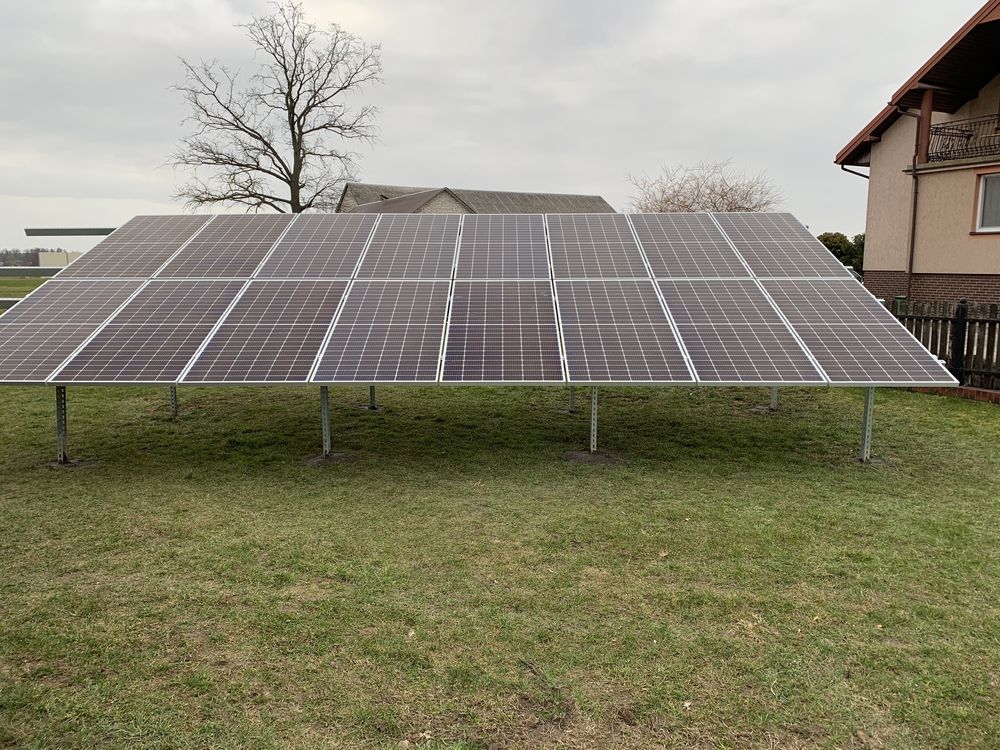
[{"x": 980, "y": 227}]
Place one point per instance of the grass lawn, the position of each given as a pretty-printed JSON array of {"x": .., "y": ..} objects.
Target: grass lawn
[
  {"x": 18, "y": 286},
  {"x": 736, "y": 581}
]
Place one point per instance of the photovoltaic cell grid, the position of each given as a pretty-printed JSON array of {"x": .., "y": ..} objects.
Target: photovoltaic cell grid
[
  {"x": 616, "y": 331},
  {"x": 734, "y": 335},
  {"x": 230, "y": 247},
  {"x": 853, "y": 337},
  {"x": 778, "y": 246},
  {"x": 594, "y": 246},
  {"x": 387, "y": 331},
  {"x": 687, "y": 246},
  {"x": 137, "y": 248},
  {"x": 411, "y": 246},
  {"x": 498, "y": 246},
  {"x": 41, "y": 331},
  {"x": 154, "y": 336},
  {"x": 272, "y": 334},
  {"x": 502, "y": 331},
  {"x": 320, "y": 246}
]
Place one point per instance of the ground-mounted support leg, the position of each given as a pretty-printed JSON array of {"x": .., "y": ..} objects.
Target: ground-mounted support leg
[
  {"x": 173, "y": 401},
  {"x": 866, "y": 426},
  {"x": 572, "y": 400},
  {"x": 324, "y": 405},
  {"x": 774, "y": 398},
  {"x": 371, "y": 398},
  {"x": 593, "y": 420},
  {"x": 62, "y": 456}
]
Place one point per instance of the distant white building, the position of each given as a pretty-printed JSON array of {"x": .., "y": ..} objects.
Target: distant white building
[{"x": 57, "y": 258}]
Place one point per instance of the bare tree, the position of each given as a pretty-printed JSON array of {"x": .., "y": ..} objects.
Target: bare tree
[
  {"x": 708, "y": 186},
  {"x": 278, "y": 142}
]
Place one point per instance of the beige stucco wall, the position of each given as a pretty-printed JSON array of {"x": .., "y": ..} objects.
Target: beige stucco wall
[
  {"x": 945, "y": 210},
  {"x": 889, "y": 189},
  {"x": 945, "y": 243}
]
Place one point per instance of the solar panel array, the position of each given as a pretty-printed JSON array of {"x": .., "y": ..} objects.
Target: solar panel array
[{"x": 362, "y": 298}]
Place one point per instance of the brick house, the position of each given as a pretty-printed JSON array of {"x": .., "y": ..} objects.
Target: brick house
[
  {"x": 933, "y": 160},
  {"x": 366, "y": 198}
]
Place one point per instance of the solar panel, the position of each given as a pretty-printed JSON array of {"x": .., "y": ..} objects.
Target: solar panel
[
  {"x": 687, "y": 246},
  {"x": 272, "y": 334},
  {"x": 320, "y": 246},
  {"x": 137, "y": 248},
  {"x": 42, "y": 330},
  {"x": 387, "y": 331},
  {"x": 855, "y": 339},
  {"x": 594, "y": 246},
  {"x": 31, "y": 353},
  {"x": 154, "y": 336},
  {"x": 616, "y": 331},
  {"x": 503, "y": 247},
  {"x": 411, "y": 246},
  {"x": 734, "y": 335},
  {"x": 366, "y": 298},
  {"x": 778, "y": 246},
  {"x": 502, "y": 331},
  {"x": 231, "y": 247},
  {"x": 59, "y": 302}
]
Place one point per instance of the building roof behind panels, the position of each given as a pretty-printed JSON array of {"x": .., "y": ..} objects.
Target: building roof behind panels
[{"x": 367, "y": 198}]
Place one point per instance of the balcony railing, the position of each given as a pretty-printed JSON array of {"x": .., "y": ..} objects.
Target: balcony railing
[{"x": 978, "y": 138}]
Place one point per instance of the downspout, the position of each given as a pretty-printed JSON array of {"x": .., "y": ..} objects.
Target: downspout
[
  {"x": 914, "y": 197},
  {"x": 921, "y": 149}
]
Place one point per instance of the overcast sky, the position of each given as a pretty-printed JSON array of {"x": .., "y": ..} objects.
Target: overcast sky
[{"x": 551, "y": 95}]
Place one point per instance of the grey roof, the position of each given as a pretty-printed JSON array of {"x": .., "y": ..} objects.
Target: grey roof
[
  {"x": 479, "y": 201},
  {"x": 404, "y": 204}
]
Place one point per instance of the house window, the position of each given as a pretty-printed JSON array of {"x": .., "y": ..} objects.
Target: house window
[{"x": 989, "y": 203}]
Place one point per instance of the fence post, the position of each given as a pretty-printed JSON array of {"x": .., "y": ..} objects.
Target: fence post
[{"x": 958, "y": 333}]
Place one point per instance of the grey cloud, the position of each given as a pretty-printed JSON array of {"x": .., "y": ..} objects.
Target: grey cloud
[{"x": 525, "y": 94}]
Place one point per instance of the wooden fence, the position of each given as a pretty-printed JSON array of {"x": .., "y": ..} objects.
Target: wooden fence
[{"x": 966, "y": 336}]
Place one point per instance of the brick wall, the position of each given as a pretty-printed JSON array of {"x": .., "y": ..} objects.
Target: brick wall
[
  {"x": 935, "y": 287},
  {"x": 886, "y": 284}
]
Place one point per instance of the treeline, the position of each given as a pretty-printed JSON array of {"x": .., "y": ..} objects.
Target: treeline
[
  {"x": 29, "y": 257},
  {"x": 850, "y": 252}
]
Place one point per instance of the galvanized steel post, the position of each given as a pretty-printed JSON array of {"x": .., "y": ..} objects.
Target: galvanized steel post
[
  {"x": 866, "y": 426},
  {"x": 774, "y": 398},
  {"x": 173, "y": 401},
  {"x": 371, "y": 398},
  {"x": 572, "y": 400},
  {"x": 593, "y": 420},
  {"x": 62, "y": 456},
  {"x": 324, "y": 403}
]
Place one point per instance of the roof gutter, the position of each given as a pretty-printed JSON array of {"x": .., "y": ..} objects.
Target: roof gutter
[{"x": 847, "y": 169}]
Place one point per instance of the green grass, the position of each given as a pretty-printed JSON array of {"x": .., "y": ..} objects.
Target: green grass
[
  {"x": 18, "y": 286},
  {"x": 736, "y": 581}
]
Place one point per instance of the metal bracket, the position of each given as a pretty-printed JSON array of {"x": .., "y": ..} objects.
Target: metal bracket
[
  {"x": 866, "y": 426},
  {"x": 62, "y": 456},
  {"x": 593, "y": 419},
  {"x": 324, "y": 404}
]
